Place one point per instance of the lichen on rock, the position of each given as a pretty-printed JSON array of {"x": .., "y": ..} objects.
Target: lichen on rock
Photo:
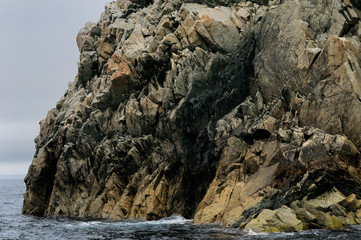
[{"x": 240, "y": 112}]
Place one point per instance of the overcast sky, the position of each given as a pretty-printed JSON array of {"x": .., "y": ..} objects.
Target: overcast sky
[{"x": 38, "y": 57}]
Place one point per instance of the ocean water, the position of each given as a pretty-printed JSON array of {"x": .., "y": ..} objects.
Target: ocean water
[{"x": 13, "y": 225}]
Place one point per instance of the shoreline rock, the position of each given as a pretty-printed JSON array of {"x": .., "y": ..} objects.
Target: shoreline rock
[{"x": 239, "y": 112}]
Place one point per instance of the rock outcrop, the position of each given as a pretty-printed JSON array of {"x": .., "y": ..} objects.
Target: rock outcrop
[{"x": 240, "y": 112}]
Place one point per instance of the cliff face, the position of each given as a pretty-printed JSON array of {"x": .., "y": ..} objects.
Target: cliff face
[{"x": 241, "y": 112}]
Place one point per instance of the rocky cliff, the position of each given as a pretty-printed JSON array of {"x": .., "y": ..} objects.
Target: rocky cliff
[{"x": 241, "y": 112}]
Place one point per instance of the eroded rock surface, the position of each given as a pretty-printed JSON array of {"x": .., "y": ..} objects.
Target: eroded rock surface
[{"x": 245, "y": 113}]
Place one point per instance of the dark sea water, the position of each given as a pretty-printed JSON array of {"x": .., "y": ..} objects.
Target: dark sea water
[{"x": 15, "y": 226}]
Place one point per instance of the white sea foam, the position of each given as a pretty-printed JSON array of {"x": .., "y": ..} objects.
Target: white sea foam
[
  {"x": 172, "y": 220},
  {"x": 175, "y": 219},
  {"x": 282, "y": 234},
  {"x": 92, "y": 223},
  {"x": 252, "y": 233}
]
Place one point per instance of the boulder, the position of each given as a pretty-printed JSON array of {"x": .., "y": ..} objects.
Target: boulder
[{"x": 280, "y": 220}]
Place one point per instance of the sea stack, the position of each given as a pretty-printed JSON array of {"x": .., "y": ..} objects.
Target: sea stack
[{"x": 246, "y": 113}]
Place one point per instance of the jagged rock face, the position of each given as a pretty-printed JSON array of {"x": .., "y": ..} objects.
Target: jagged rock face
[{"x": 246, "y": 113}]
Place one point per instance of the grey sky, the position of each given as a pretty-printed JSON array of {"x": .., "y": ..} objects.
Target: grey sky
[{"x": 38, "y": 57}]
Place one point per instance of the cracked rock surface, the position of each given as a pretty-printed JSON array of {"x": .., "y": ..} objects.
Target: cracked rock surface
[{"x": 240, "y": 112}]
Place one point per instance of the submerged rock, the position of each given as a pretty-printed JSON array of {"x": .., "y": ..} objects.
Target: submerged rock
[{"x": 244, "y": 113}]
